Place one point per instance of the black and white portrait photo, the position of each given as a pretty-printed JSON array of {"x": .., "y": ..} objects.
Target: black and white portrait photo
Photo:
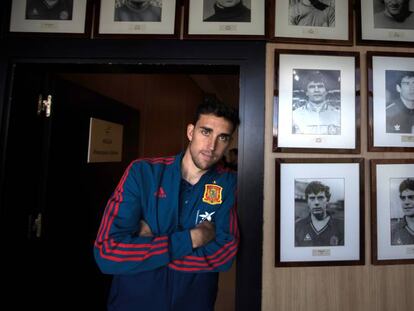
[
  {"x": 49, "y": 9},
  {"x": 315, "y": 13},
  {"x": 393, "y": 14},
  {"x": 316, "y": 102},
  {"x": 399, "y": 101},
  {"x": 138, "y": 10},
  {"x": 402, "y": 211},
  {"x": 227, "y": 11},
  {"x": 319, "y": 212}
]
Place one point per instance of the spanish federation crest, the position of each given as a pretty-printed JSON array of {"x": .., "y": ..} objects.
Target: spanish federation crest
[{"x": 212, "y": 194}]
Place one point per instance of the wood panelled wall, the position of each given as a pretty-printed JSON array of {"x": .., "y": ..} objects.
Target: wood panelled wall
[
  {"x": 339, "y": 288},
  {"x": 166, "y": 104}
]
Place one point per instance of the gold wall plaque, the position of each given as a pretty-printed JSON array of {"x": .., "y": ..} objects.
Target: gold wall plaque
[{"x": 105, "y": 141}]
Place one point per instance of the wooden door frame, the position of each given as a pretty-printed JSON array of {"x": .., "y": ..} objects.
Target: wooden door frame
[{"x": 248, "y": 55}]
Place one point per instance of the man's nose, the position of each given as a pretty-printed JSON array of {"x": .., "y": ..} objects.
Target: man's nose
[{"x": 212, "y": 143}]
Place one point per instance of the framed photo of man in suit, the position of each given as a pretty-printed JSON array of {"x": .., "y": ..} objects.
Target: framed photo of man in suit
[
  {"x": 69, "y": 17},
  {"x": 392, "y": 200},
  {"x": 319, "y": 212},
  {"x": 390, "y": 101},
  {"x": 135, "y": 18},
  {"x": 316, "y": 107},
  {"x": 224, "y": 19}
]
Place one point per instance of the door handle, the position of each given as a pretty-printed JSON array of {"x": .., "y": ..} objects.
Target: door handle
[{"x": 44, "y": 105}]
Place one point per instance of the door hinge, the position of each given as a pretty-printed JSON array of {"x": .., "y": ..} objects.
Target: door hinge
[
  {"x": 35, "y": 226},
  {"x": 44, "y": 105}
]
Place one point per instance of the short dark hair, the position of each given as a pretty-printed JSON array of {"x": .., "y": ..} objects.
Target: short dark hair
[
  {"x": 314, "y": 76},
  {"x": 316, "y": 187},
  {"x": 211, "y": 105},
  {"x": 407, "y": 184},
  {"x": 404, "y": 74}
]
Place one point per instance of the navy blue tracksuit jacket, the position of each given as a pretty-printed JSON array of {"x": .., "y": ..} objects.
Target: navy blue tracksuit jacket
[{"x": 164, "y": 272}]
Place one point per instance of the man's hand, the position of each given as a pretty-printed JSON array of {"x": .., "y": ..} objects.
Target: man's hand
[
  {"x": 145, "y": 230},
  {"x": 203, "y": 233}
]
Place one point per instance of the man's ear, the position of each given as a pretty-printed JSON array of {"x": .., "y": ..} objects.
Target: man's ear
[
  {"x": 398, "y": 88},
  {"x": 190, "y": 131}
]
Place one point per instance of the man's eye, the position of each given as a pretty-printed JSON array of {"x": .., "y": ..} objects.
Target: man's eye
[
  {"x": 224, "y": 138},
  {"x": 204, "y": 132}
]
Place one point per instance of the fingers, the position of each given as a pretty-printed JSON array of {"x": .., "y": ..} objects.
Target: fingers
[
  {"x": 145, "y": 230},
  {"x": 202, "y": 234}
]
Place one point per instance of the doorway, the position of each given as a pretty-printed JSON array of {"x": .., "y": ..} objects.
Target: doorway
[
  {"x": 249, "y": 56},
  {"x": 61, "y": 192}
]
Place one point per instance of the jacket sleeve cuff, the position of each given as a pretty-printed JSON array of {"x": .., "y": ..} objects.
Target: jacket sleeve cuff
[{"x": 180, "y": 244}]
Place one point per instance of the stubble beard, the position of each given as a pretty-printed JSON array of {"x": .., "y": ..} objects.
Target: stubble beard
[{"x": 200, "y": 164}]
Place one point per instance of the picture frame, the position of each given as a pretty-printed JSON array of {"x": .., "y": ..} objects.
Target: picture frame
[
  {"x": 391, "y": 124},
  {"x": 62, "y": 18},
  {"x": 121, "y": 19},
  {"x": 291, "y": 22},
  {"x": 204, "y": 20},
  {"x": 326, "y": 123},
  {"x": 375, "y": 24},
  {"x": 333, "y": 234},
  {"x": 392, "y": 240}
]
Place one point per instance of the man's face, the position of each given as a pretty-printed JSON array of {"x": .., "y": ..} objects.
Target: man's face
[
  {"x": 316, "y": 92},
  {"x": 209, "y": 139},
  {"x": 227, "y": 3},
  {"x": 317, "y": 204},
  {"x": 407, "y": 202},
  {"x": 406, "y": 89},
  {"x": 394, "y": 7}
]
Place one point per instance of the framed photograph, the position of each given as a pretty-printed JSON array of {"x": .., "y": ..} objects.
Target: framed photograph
[
  {"x": 390, "y": 101},
  {"x": 306, "y": 21},
  {"x": 316, "y": 102},
  {"x": 224, "y": 19},
  {"x": 51, "y": 17},
  {"x": 134, "y": 18},
  {"x": 319, "y": 212},
  {"x": 387, "y": 22},
  {"x": 392, "y": 212}
]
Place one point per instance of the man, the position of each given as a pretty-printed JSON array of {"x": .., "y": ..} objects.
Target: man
[
  {"x": 171, "y": 224},
  {"x": 137, "y": 11},
  {"x": 230, "y": 11},
  {"x": 400, "y": 113},
  {"x": 49, "y": 9},
  {"x": 396, "y": 15},
  {"x": 317, "y": 116},
  {"x": 313, "y": 13},
  {"x": 402, "y": 232},
  {"x": 318, "y": 228}
]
